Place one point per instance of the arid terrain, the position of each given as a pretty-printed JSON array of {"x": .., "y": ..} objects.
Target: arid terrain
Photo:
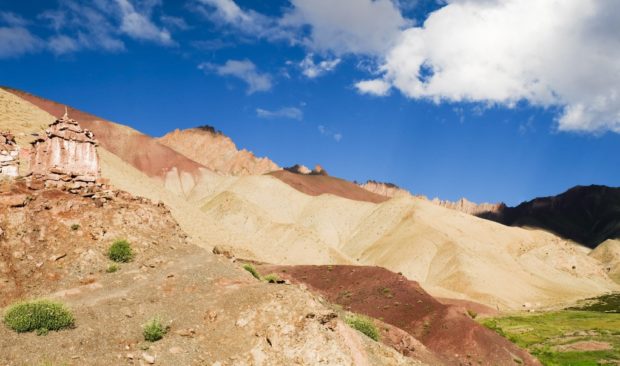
[{"x": 422, "y": 269}]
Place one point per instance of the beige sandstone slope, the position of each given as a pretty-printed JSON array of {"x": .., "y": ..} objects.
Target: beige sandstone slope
[
  {"x": 21, "y": 117},
  {"x": 450, "y": 253},
  {"x": 217, "y": 152},
  {"x": 608, "y": 253}
]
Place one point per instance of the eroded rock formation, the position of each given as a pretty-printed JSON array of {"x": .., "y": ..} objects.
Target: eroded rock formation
[
  {"x": 9, "y": 155},
  {"x": 216, "y": 151},
  {"x": 304, "y": 170},
  {"x": 468, "y": 207},
  {"x": 66, "y": 157},
  {"x": 384, "y": 189}
]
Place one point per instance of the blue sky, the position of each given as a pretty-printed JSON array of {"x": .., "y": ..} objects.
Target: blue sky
[{"x": 463, "y": 98}]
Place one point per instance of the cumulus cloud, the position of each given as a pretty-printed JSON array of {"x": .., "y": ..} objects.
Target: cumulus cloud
[
  {"x": 374, "y": 87},
  {"x": 286, "y": 112},
  {"x": 548, "y": 53},
  {"x": 244, "y": 70},
  {"x": 312, "y": 70},
  {"x": 348, "y": 26}
]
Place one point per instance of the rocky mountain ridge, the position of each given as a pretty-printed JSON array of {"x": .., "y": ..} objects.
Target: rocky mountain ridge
[{"x": 216, "y": 151}]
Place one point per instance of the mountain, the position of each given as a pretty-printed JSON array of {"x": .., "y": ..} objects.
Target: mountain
[
  {"x": 216, "y": 151},
  {"x": 290, "y": 218},
  {"x": 585, "y": 214}
]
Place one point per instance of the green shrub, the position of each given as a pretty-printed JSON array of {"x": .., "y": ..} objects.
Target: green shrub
[
  {"x": 272, "y": 278},
  {"x": 120, "y": 251},
  {"x": 250, "y": 268},
  {"x": 364, "y": 325},
  {"x": 154, "y": 330},
  {"x": 112, "y": 268},
  {"x": 75, "y": 227},
  {"x": 41, "y": 315}
]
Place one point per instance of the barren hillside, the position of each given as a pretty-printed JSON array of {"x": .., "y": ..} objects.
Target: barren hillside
[
  {"x": 216, "y": 151},
  {"x": 316, "y": 219}
]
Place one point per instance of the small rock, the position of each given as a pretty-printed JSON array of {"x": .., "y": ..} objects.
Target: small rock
[
  {"x": 130, "y": 356},
  {"x": 148, "y": 358},
  {"x": 211, "y": 315},
  {"x": 190, "y": 332}
]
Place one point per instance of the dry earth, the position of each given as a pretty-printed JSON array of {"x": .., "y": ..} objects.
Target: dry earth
[
  {"x": 217, "y": 313},
  {"x": 448, "y": 331}
]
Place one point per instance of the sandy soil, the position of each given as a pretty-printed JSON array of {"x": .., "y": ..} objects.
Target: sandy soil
[{"x": 608, "y": 253}]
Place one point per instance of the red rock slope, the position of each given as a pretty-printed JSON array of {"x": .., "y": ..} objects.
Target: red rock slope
[
  {"x": 445, "y": 330},
  {"x": 316, "y": 185},
  {"x": 141, "y": 151}
]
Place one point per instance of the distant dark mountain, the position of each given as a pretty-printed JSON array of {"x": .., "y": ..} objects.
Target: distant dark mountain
[{"x": 586, "y": 214}]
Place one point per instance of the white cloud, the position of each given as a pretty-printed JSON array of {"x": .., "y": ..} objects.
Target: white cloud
[
  {"x": 549, "y": 53},
  {"x": 17, "y": 41},
  {"x": 62, "y": 44},
  {"x": 374, "y": 87},
  {"x": 227, "y": 13},
  {"x": 286, "y": 112},
  {"x": 140, "y": 26},
  {"x": 348, "y": 26},
  {"x": 174, "y": 22},
  {"x": 244, "y": 70},
  {"x": 325, "y": 131},
  {"x": 313, "y": 70},
  {"x": 12, "y": 19}
]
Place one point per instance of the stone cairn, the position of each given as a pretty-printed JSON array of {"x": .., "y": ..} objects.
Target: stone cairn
[
  {"x": 65, "y": 158},
  {"x": 9, "y": 156}
]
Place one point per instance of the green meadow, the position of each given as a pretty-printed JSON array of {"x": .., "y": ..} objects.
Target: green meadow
[{"x": 584, "y": 335}]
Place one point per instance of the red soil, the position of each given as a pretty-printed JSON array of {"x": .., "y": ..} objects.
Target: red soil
[
  {"x": 316, "y": 185},
  {"x": 445, "y": 330},
  {"x": 137, "y": 149}
]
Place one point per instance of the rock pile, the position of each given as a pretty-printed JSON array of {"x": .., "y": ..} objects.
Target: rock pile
[
  {"x": 9, "y": 155},
  {"x": 304, "y": 170},
  {"x": 65, "y": 158}
]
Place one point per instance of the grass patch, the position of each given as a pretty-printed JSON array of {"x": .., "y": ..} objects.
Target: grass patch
[
  {"x": 272, "y": 278},
  {"x": 112, "y": 268},
  {"x": 40, "y": 316},
  {"x": 154, "y": 330},
  {"x": 120, "y": 251},
  {"x": 364, "y": 325},
  {"x": 604, "y": 304},
  {"x": 250, "y": 268},
  {"x": 75, "y": 227},
  {"x": 544, "y": 334}
]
